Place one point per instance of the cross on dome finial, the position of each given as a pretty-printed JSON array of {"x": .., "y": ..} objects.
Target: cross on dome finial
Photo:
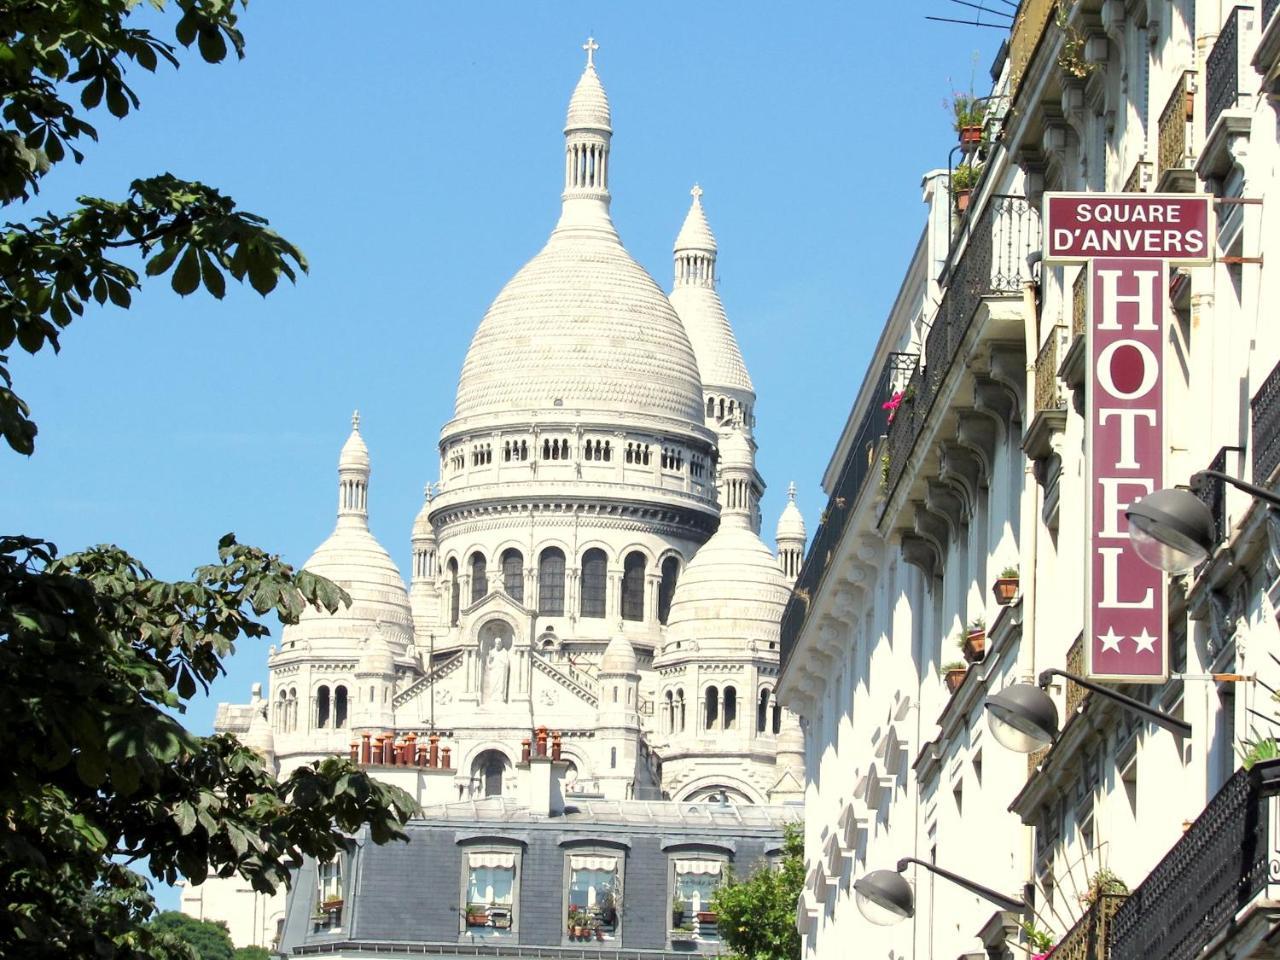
[
  {"x": 355, "y": 420},
  {"x": 791, "y": 491},
  {"x": 696, "y": 192},
  {"x": 591, "y": 47}
]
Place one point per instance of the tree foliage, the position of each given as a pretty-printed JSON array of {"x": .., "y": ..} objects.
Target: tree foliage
[
  {"x": 208, "y": 940},
  {"x": 757, "y": 916},
  {"x": 98, "y": 657}
]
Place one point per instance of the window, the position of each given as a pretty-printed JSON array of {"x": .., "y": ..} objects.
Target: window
[
  {"x": 339, "y": 707},
  {"x": 694, "y": 883},
  {"x": 667, "y": 587},
  {"x": 678, "y": 716},
  {"x": 594, "y": 583},
  {"x": 322, "y": 708},
  {"x": 669, "y": 713},
  {"x": 490, "y": 891},
  {"x": 762, "y": 711},
  {"x": 593, "y": 908},
  {"x": 711, "y": 712},
  {"x": 328, "y": 915},
  {"x": 488, "y": 772},
  {"x": 513, "y": 574},
  {"x": 633, "y": 587},
  {"x": 455, "y": 592},
  {"x": 551, "y": 582},
  {"x": 730, "y": 708},
  {"x": 479, "y": 577}
]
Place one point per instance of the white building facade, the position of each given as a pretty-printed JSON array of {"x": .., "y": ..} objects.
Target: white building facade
[{"x": 1122, "y": 839}]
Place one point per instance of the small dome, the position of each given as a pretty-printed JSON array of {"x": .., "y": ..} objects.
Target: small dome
[
  {"x": 589, "y": 106},
  {"x": 696, "y": 233},
  {"x": 422, "y": 529},
  {"x": 735, "y": 450},
  {"x": 259, "y": 737},
  {"x": 791, "y": 523},
  {"x": 790, "y": 735},
  {"x": 619, "y": 657},
  {"x": 731, "y": 592},
  {"x": 376, "y": 656},
  {"x": 354, "y": 455}
]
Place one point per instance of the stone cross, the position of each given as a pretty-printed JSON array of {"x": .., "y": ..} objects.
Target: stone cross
[
  {"x": 696, "y": 192},
  {"x": 591, "y": 47}
]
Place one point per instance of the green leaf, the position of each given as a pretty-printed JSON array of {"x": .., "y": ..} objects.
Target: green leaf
[
  {"x": 212, "y": 46},
  {"x": 214, "y": 282},
  {"x": 163, "y": 260},
  {"x": 187, "y": 277}
]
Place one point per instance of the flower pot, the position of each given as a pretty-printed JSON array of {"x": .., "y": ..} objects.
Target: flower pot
[
  {"x": 579, "y": 931},
  {"x": 1006, "y": 589},
  {"x": 971, "y": 133},
  {"x": 477, "y": 919},
  {"x": 599, "y": 933},
  {"x": 975, "y": 646},
  {"x": 706, "y": 916},
  {"x": 962, "y": 199},
  {"x": 954, "y": 677},
  {"x": 1191, "y": 106}
]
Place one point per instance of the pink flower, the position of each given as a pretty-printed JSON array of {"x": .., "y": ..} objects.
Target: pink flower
[{"x": 892, "y": 405}]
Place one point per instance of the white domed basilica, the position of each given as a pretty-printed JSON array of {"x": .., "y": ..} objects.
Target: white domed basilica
[{"x": 589, "y": 560}]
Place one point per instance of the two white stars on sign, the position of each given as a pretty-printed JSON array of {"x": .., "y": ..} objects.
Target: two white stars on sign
[{"x": 1146, "y": 643}]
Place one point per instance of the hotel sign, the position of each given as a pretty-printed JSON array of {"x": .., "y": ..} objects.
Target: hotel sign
[{"x": 1127, "y": 242}]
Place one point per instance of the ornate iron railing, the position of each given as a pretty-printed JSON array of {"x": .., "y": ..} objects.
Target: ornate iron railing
[
  {"x": 988, "y": 257},
  {"x": 1048, "y": 394},
  {"x": 860, "y": 464},
  {"x": 1137, "y": 179},
  {"x": 1222, "y": 70},
  {"x": 1265, "y": 410},
  {"x": 1173, "y": 149},
  {"x": 1218, "y": 866},
  {"x": 1080, "y": 302},
  {"x": 1213, "y": 493},
  {"x": 1089, "y": 939},
  {"x": 1075, "y": 664}
]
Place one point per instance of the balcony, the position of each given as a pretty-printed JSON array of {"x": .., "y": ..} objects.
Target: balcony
[
  {"x": 1029, "y": 27},
  {"x": 861, "y": 464},
  {"x": 1222, "y": 69},
  {"x": 1174, "y": 157},
  {"x": 1213, "y": 494},
  {"x": 1227, "y": 96},
  {"x": 1197, "y": 892},
  {"x": 1089, "y": 939},
  {"x": 1050, "y": 411},
  {"x": 1265, "y": 411},
  {"x": 991, "y": 261}
]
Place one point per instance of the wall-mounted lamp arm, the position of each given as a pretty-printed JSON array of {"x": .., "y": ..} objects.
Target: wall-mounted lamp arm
[
  {"x": 1160, "y": 718},
  {"x": 1012, "y": 904},
  {"x": 1261, "y": 493}
]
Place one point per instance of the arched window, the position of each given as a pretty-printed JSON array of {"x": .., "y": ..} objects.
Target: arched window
[
  {"x": 292, "y": 715},
  {"x": 339, "y": 707},
  {"x": 679, "y": 709},
  {"x": 777, "y": 716},
  {"x": 551, "y": 582},
  {"x": 488, "y": 772},
  {"x": 613, "y": 757},
  {"x": 711, "y": 708},
  {"x": 669, "y": 713},
  {"x": 479, "y": 576},
  {"x": 711, "y": 406},
  {"x": 667, "y": 587},
  {"x": 595, "y": 580},
  {"x": 762, "y": 710},
  {"x": 322, "y": 708},
  {"x": 513, "y": 574},
  {"x": 608, "y": 451},
  {"x": 730, "y": 708},
  {"x": 633, "y": 586},
  {"x": 455, "y": 592}
]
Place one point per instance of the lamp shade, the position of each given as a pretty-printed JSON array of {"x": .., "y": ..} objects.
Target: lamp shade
[
  {"x": 1022, "y": 717},
  {"x": 1172, "y": 530},
  {"x": 884, "y": 897}
]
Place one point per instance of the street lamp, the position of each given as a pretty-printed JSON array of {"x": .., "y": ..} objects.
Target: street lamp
[
  {"x": 1173, "y": 530},
  {"x": 885, "y": 897},
  {"x": 1022, "y": 717}
]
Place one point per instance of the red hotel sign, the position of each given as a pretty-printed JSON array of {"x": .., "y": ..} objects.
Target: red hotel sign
[{"x": 1127, "y": 242}]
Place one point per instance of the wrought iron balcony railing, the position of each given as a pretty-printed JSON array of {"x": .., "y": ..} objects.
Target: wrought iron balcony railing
[
  {"x": 991, "y": 260},
  {"x": 1090, "y": 938},
  {"x": 1076, "y": 694},
  {"x": 1222, "y": 69},
  {"x": 1049, "y": 394},
  {"x": 1265, "y": 409},
  {"x": 1208, "y": 876},
  {"x": 1173, "y": 151},
  {"x": 1213, "y": 493},
  {"x": 860, "y": 464},
  {"x": 1080, "y": 303}
]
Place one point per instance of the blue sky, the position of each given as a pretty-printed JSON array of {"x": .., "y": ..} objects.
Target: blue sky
[{"x": 413, "y": 151}]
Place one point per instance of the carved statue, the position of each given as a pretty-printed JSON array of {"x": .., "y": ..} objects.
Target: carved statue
[{"x": 495, "y": 667}]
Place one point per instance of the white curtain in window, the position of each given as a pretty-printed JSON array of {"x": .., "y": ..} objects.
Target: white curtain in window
[
  {"x": 593, "y": 863},
  {"x": 493, "y": 886}
]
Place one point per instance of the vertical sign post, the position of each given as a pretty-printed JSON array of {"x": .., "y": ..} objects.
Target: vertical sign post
[{"x": 1127, "y": 242}]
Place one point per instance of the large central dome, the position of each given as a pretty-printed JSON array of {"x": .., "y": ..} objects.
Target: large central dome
[{"x": 582, "y": 325}]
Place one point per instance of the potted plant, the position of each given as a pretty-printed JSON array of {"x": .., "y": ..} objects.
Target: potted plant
[
  {"x": 578, "y": 924},
  {"x": 477, "y": 915},
  {"x": 969, "y": 115},
  {"x": 1006, "y": 586},
  {"x": 954, "y": 674},
  {"x": 706, "y": 916},
  {"x": 963, "y": 179},
  {"x": 677, "y": 913},
  {"x": 1102, "y": 883},
  {"x": 974, "y": 641},
  {"x": 330, "y": 904}
]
